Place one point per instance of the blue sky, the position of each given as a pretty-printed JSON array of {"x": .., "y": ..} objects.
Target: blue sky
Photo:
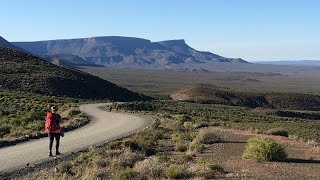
[{"x": 250, "y": 29}]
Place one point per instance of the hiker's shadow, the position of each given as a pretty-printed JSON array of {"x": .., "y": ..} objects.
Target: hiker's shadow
[{"x": 303, "y": 161}]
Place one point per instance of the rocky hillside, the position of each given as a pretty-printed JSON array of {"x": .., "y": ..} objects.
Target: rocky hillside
[
  {"x": 209, "y": 94},
  {"x": 5, "y": 43},
  {"x": 24, "y": 72},
  {"x": 67, "y": 60},
  {"x": 126, "y": 51}
]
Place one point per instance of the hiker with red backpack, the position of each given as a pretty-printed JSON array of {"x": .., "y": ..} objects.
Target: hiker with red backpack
[{"x": 52, "y": 127}]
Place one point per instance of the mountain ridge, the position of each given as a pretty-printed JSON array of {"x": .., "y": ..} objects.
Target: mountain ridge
[
  {"x": 5, "y": 43},
  {"x": 126, "y": 51},
  {"x": 20, "y": 71}
]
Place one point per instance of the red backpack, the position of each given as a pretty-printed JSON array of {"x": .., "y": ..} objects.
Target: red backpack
[{"x": 52, "y": 122}]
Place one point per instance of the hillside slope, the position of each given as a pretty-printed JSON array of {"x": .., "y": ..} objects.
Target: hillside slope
[
  {"x": 209, "y": 94},
  {"x": 24, "y": 72},
  {"x": 5, "y": 43},
  {"x": 126, "y": 51},
  {"x": 67, "y": 60}
]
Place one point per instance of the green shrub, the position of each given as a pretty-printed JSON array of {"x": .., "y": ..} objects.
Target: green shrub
[
  {"x": 163, "y": 157},
  {"x": 174, "y": 172},
  {"x": 178, "y": 137},
  {"x": 74, "y": 112},
  {"x": 101, "y": 163},
  {"x": 264, "y": 149},
  {"x": 140, "y": 142},
  {"x": 181, "y": 146},
  {"x": 64, "y": 167},
  {"x": 151, "y": 168},
  {"x": 278, "y": 132},
  {"x": 195, "y": 147},
  {"x": 87, "y": 157},
  {"x": 216, "y": 167},
  {"x": 186, "y": 158},
  {"x": 115, "y": 144},
  {"x": 188, "y": 125},
  {"x": 124, "y": 174},
  {"x": 200, "y": 124},
  {"x": 4, "y": 129},
  {"x": 183, "y": 118}
]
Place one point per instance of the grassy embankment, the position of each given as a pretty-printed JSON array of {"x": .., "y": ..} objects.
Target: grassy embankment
[
  {"x": 299, "y": 124},
  {"x": 22, "y": 114}
]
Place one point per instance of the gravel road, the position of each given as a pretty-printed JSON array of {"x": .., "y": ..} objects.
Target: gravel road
[{"x": 104, "y": 126}]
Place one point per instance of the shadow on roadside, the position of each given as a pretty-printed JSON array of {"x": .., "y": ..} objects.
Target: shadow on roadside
[{"x": 307, "y": 161}]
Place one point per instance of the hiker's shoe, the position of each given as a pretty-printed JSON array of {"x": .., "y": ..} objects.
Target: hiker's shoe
[
  {"x": 50, "y": 154},
  {"x": 58, "y": 153}
]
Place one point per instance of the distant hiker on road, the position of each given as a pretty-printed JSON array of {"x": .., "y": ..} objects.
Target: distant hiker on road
[
  {"x": 53, "y": 129},
  {"x": 117, "y": 107}
]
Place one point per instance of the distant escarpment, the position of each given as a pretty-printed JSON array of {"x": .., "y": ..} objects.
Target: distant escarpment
[{"x": 127, "y": 52}]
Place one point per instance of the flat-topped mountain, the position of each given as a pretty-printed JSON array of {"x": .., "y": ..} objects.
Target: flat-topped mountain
[
  {"x": 126, "y": 51},
  {"x": 25, "y": 72}
]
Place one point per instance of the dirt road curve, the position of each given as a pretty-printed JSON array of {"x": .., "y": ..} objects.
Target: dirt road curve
[{"x": 105, "y": 126}]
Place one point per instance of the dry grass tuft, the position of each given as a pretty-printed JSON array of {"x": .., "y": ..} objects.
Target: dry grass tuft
[{"x": 151, "y": 167}]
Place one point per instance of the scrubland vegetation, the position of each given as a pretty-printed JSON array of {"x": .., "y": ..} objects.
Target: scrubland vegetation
[
  {"x": 209, "y": 94},
  {"x": 170, "y": 149},
  {"x": 177, "y": 144},
  {"x": 22, "y": 114},
  {"x": 259, "y": 120}
]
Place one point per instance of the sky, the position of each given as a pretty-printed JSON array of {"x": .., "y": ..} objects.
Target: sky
[{"x": 250, "y": 29}]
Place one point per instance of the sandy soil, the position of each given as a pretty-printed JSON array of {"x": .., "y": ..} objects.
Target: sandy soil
[{"x": 303, "y": 159}]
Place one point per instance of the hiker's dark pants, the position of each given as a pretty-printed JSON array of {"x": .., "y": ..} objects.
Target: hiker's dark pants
[{"x": 53, "y": 136}]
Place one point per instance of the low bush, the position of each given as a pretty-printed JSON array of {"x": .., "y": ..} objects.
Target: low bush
[
  {"x": 181, "y": 146},
  {"x": 141, "y": 142},
  {"x": 178, "y": 137},
  {"x": 264, "y": 149},
  {"x": 216, "y": 167},
  {"x": 174, "y": 172},
  {"x": 124, "y": 174},
  {"x": 101, "y": 163},
  {"x": 188, "y": 125},
  {"x": 207, "y": 137},
  {"x": 115, "y": 145},
  {"x": 186, "y": 158},
  {"x": 4, "y": 129},
  {"x": 278, "y": 132},
  {"x": 64, "y": 167},
  {"x": 151, "y": 167},
  {"x": 183, "y": 118},
  {"x": 195, "y": 147},
  {"x": 200, "y": 124},
  {"x": 125, "y": 157},
  {"x": 74, "y": 112}
]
